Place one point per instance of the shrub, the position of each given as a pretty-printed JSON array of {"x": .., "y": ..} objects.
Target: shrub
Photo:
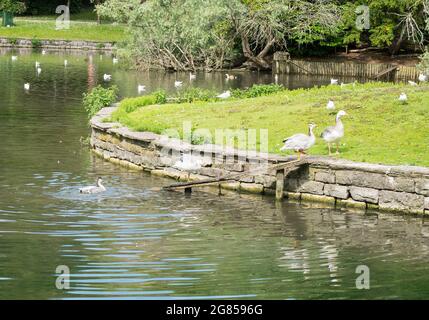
[
  {"x": 160, "y": 96},
  {"x": 257, "y": 90},
  {"x": 195, "y": 94},
  {"x": 13, "y": 41},
  {"x": 99, "y": 98},
  {"x": 36, "y": 43},
  {"x": 132, "y": 104}
]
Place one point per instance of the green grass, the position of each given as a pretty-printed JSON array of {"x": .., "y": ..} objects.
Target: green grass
[
  {"x": 378, "y": 127},
  {"x": 45, "y": 29}
]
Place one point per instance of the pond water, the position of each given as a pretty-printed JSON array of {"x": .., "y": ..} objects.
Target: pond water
[{"x": 135, "y": 242}]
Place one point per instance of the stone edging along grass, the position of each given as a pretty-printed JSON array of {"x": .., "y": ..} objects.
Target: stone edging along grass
[
  {"x": 333, "y": 181},
  {"x": 57, "y": 44}
]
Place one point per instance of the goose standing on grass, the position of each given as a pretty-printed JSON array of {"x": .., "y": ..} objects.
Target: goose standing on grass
[
  {"x": 403, "y": 98},
  {"x": 423, "y": 77},
  {"x": 107, "y": 77},
  {"x": 225, "y": 95},
  {"x": 300, "y": 142},
  {"x": 335, "y": 133},
  {"x": 141, "y": 88},
  {"x": 178, "y": 84},
  {"x": 94, "y": 189},
  {"x": 334, "y": 81},
  {"x": 26, "y": 86}
]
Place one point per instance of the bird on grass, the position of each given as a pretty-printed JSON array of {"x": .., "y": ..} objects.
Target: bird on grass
[
  {"x": 94, "y": 189},
  {"x": 107, "y": 77},
  {"x": 423, "y": 77},
  {"x": 300, "y": 142},
  {"x": 331, "y": 105},
  {"x": 403, "y": 98},
  {"x": 334, "y": 134},
  {"x": 225, "y": 95},
  {"x": 412, "y": 83}
]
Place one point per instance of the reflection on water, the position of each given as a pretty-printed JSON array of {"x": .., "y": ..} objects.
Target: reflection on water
[{"x": 135, "y": 241}]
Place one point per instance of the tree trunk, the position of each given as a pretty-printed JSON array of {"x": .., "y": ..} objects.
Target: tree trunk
[
  {"x": 397, "y": 43},
  {"x": 258, "y": 61}
]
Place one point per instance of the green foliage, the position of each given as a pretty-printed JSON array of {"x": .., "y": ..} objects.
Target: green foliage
[
  {"x": 13, "y": 41},
  {"x": 257, "y": 90},
  {"x": 160, "y": 96},
  {"x": 12, "y": 6},
  {"x": 36, "y": 43},
  {"x": 99, "y": 98},
  {"x": 196, "y": 94},
  {"x": 423, "y": 65}
]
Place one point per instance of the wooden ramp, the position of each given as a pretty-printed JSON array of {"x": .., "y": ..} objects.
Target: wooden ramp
[
  {"x": 384, "y": 72},
  {"x": 281, "y": 170}
]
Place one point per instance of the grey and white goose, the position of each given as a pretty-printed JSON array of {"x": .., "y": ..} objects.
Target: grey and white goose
[
  {"x": 94, "y": 189},
  {"x": 300, "y": 142},
  {"x": 334, "y": 134}
]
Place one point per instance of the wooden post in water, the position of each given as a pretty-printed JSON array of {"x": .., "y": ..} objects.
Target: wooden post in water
[
  {"x": 188, "y": 190},
  {"x": 280, "y": 181}
]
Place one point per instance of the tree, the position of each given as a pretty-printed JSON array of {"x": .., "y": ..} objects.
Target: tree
[{"x": 12, "y": 6}]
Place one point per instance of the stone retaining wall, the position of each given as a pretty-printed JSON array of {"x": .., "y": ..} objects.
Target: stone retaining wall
[
  {"x": 58, "y": 44},
  {"x": 338, "y": 182}
]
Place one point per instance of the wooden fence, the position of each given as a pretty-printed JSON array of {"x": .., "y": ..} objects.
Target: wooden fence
[{"x": 282, "y": 65}]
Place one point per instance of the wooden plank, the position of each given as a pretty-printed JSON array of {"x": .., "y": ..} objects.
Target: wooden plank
[
  {"x": 200, "y": 183},
  {"x": 280, "y": 181}
]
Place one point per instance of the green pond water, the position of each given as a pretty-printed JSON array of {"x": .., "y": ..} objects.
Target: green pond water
[{"x": 134, "y": 242}]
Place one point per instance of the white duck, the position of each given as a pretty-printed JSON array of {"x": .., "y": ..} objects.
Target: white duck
[
  {"x": 189, "y": 162},
  {"x": 178, "y": 84},
  {"x": 300, "y": 142},
  {"x": 331, "y": 105},
  {"x": 39, "y": 70},
  {"x": 423, "y": 77},
  {"x": 230, "y": 77},
  {"x": 225, "y": 95},
  {"x": 192, "y": 76},
  {"x": 94, "y": 189},
  {"x": 403, "y": 97},
  {"x": 14, "y": 58},
  {"x": 26, "y": 86},
  {"x": 115, "y": 60},
  {"x": 141, "y": 88},
  {"x": 335, "y": 133},
  {"x": 66, "y": 63},
  {"x": 43, "y": 52},
  {"x": 412, "y": 83},
  {"x": 37, "y": 64},
  {"x": 107, "y": 77},
  {"x": 334, "y": 81}
]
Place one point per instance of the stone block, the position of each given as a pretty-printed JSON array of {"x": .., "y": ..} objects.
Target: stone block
[
  {"x": 427, "y": 203},
  {"x": 317, "y": 198},
  {"x": 211, "y": 172},
  {"x": 350, "y": 203},
  {"x": 266, "y": 181},
  {"x": 422, "y": 187},
  {"x": 230, "y": 186},
  {"x": 401, "y": 201},
  {"x": 364, "y": 194},
  {"x": 247, "y": 178},
  {"x": 337, "y": 191},
  {"x": 322, "y": 175},
  {"x": 251, "y": 187},
  {"x": 292, "y": 195},
  {"x": 291, "y": 185},
  {"x": 312, "y": 187}
]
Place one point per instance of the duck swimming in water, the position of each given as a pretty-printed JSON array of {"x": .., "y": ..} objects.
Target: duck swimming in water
[{"x": 94, "y": 189}]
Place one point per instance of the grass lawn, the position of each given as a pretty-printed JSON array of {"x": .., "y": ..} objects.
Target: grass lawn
[
  {"x": 378, "y": 127},
  {"x": 40, "y": 28}
]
